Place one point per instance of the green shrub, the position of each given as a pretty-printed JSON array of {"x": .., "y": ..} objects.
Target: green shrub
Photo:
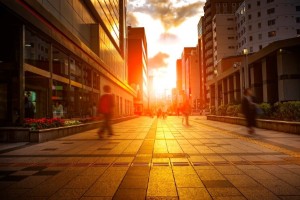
[
  {"x": 267, "y": 110},
  {"x": 213, "y": 110},
  {"x": 233, "y": 110},
  {"x": 222, "y": 110},
  {"x": 287, "y": 111}
]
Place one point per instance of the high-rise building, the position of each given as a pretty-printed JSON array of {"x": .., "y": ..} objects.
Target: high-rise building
[
  {"x": 202, "y": 103},
  {"x": 257, "y": 48},
  {"x": 138, "y": 67},
  {"x": 179, "y": 74},
  {"x": 259, "y": 23},
  {"x": 62, "y": 51},
  {"x": 211, "y": 8},
  {"x": 224, "y": 37}
]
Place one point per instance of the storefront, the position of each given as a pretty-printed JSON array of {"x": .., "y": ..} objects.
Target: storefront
[{"x": 48, "y": 71}]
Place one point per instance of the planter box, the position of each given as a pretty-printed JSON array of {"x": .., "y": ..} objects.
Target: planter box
[
  {"x": 17, "y": 134},
  {"x": 276, "y": 125},
  {"x": 44, "y": 135},
  {"x": 14, "y": 134}
]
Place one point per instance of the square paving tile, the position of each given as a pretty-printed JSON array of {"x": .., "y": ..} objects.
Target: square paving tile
[
  {"x": 223, "y": 192},
  {"x": 34, "y": 168},
  {"x": 13, "y": 178},
  {"x": 46, "y": 173},
  {"x": 23, "y": 173},
  {"x": 193, "y": 193},
  {"x": 140, "y": 182},
  {"x": 6, "y": 172},
  {"x": 130, "y": 194},
  {"x": 217, "y": 183}
]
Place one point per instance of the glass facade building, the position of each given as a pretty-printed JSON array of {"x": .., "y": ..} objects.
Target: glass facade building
[{"x": 62, "y": 51}]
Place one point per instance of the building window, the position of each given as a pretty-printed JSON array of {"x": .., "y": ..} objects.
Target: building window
[
  {"x": 258, "y": 14},
  {"x": 297, "y": 8},
  {"x": 271, "y": 11},
  {"x": 272, "y": 33},
  {"x": 260, "y": 47},
  {"x": 271, "y": 22},
  {"x": 298, "y": 31},
  {"x": 229, "y": 19},
  {"x": 259, "y": 25},
  {"x": 258, "y": 3},
  {"x": 60, "y": 62},
  {"x": 249, "y": 27},
  {"x": 270, "y": 1},
  {"x": 259, "y": 36},
  {"x": 36, "y": 50},
  {"x": 249, "y": 6},
  {"x": 298, "y": 19},
  {"x": 230, "y": 38},
  {"x": 250, "y": 38},
  {"x": 249, "y": 17}
]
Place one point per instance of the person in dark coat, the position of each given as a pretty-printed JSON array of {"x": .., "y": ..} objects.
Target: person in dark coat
[
  {"x": 249, "y": 110},
  {"x": 105, "y": 107}
]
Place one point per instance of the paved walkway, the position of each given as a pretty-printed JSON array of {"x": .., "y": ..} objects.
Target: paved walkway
[{"x": 151, "y": 158}]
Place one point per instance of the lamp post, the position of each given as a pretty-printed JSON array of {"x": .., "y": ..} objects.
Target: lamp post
[{"x": 246, "y": 75}]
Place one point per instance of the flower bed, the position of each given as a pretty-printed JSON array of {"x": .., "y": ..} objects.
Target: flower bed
[
  {"x": 43, "y": 123},
  {"x": 46, "y": 123}
]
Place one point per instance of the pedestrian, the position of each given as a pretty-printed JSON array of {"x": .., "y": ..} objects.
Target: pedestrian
[
  {"x": 29, "y": 108},
  {"x": 249, "y": 110},
  {"x": 58, "y": 110},
  {"x": 94, "y": 110},
  {"x": 164, "y": 111},
  {"x": 186, "y": 110},
  {"x": 105, "y": 107}
]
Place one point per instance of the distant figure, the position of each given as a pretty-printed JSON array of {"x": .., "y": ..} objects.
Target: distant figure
[
  {"x": 159, "y": 112},
  {"x": 94, "y": 110},
  {"x": 249, "y": 110},
  {"x": 29, "y": 108},
  {"x": 186, "y": 110},
  {"x": 105, "y": 107},
  {"x": 58, "y": 110},
  {"x": 164, "y": 111}
]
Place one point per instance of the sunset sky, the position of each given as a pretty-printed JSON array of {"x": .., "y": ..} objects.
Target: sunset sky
[{"x": 170, "y": 26}]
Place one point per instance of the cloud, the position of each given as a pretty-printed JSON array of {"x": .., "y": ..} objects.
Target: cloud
[
  {"x": 171, "y": 13},
  {"x": 158, "y": 61},
  {"x": 132, "y": 20},
  {"x": 168, "y": 38}
]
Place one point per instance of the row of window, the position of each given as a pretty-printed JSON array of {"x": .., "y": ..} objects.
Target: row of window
[
  {"x": 63, "y": 64},
  {"x": 270, "y": 23}
]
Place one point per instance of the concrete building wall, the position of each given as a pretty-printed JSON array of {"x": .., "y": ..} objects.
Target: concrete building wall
[
  {"x": 260, "y": 24},
  {"x": 224, "y": 34}
]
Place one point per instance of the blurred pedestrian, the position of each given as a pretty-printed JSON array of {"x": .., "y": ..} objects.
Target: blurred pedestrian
[
  {"x": 186, "y": 110},
  {"x": 164, "y": 111},
  {"x": 249, "y": 110},
  {"x": 105, "y": 107}
]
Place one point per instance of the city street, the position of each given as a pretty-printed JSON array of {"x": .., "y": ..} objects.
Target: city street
[{"x": 150, "y": 158}]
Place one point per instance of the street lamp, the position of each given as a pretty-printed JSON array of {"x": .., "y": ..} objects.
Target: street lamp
[{"x": 246, "y": 76}]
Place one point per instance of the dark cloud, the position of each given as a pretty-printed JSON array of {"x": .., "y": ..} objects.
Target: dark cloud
[
  {"x": 131, "y": 20},
  {"x": 168, "y": 38},
  {"x": 168, "y": 12},
  {"x": 158, "y": 61}
]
